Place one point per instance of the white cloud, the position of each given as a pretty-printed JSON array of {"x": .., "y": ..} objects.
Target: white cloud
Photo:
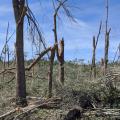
[{"x": 78, "y": 36}]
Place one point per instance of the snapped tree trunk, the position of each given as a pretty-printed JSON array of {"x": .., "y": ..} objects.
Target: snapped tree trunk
[
  {"x": 95, "y": 42},
  {"x": 8, "y": 55},
  {"x": 61, "y": 62},
  {"x": 106, "y": 51},
  {"x": 18, "y": 6},
  {"x": 59, "y": 53},
  {"x": 50, "y": 73},
  {"x": 119, "y": 52},
  {"x": 107, "y": 33},
  {"x": 93, "y": 59}
]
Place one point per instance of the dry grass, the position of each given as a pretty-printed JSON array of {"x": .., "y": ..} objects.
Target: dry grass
[{"x": 78, "y": 86}]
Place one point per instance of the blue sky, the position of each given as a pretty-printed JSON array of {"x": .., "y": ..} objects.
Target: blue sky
[{"x": 78, "y": 36}]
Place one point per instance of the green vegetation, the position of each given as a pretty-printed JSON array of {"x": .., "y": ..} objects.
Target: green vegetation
[{"x": 80, "y": 89}]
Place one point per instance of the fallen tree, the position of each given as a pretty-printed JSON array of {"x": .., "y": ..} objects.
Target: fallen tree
[
  {"x": 38, "y": 58},
  {"x": 103, "y": 113},
  {"x": 39, "y": 104},
  {"x": 31, "y": 65}
]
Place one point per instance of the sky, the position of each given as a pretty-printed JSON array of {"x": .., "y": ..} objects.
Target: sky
[{"x": 77, "y": 35}]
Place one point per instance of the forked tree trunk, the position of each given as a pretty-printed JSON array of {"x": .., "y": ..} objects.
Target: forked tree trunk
[
  {"x": 61, "y": 62},
  {"x": 59, "y": 53},
  {"x": 95, "y": 42},
  {"x": 93, "y": 58},
  {"x": 18, "y": 6},
  {"x": 50, "y": 73}
]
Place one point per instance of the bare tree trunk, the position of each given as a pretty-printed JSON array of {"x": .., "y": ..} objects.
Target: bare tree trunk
[
  {"x": 61, "y": 61},
  {"x": 95, "y": 42},
  {"x": 93, "y": 59},
  {"x": 106, "y": 39},
  {"x": 59, "y": 53},
  {"x": 8, "y": 55},
  {"x": 20, "y": 73},
  {"x": 106, "y": 51},
  {"x": 102, "y": 66},
  {"x": 55, "y": 35},
  {"x": 119, "y": 52},
  {"x": 60, "y": 56},
  {"x": 4, "y": 61},
  {"x": 50, "y": 73}
]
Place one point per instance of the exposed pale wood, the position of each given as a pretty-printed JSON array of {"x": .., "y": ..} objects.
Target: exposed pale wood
[
  {"x": 103, "y": 112},
  {"x": 2, "y": 117},
  {"x": 39, "y": 104},
  {"x": 34, "y": 108},
  {"x": 7, "y": 69},
  {"x": 60, "y": 4}
]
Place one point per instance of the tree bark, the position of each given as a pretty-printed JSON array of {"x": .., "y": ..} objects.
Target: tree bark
[
  {"x": 55, "y": 34},
  {"x": 59, "y": 53},
  {"x": 61, "y": 61},
  {"x": 106, "y": 50},
  {"x": 20, "y": 68},
  {"x": 119, "y": 52},
  {"x": 8, "y": 53},
  {"x": 93, "y": 59},
  {"x": 50, "y": 73},
  {"x": 107, "y": 33}
]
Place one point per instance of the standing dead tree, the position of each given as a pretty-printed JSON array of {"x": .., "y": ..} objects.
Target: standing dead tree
[
  {"x": 119, "y": 52},
  {"x": 60, "y": 51},
  {"x": 19, "y": 13},
  {"x": 61, "y": 61},
  {"x": 21, "y": 9},
  {"x": 95, "y": 42},
  {"x": 50, "y": 72},
  {"x": 56, "y": 38},
  {"x": 107, "y": 34},
  {"x": 93, "y": 59}
]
